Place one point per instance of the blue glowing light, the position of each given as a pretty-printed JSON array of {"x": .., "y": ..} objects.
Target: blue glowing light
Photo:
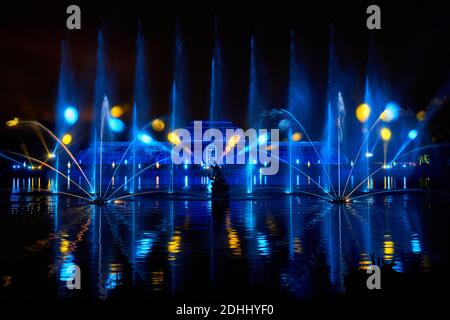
[
  {"x": 144, "y": 245},
  {"x": 114, "y": 278},
  {"x": 394, "y": 110},
  {"x": 263, "y": 245},
  {"x": 415, "y": 244},
  {"x": 145, "y": 138},
  {"x": 262, "y": 139},
  {"x": 412, "y": 134},
  {"x": 116, "y": 125},
  {"x": 68, "y": 268},
  {"x": 71, "y": 115}
]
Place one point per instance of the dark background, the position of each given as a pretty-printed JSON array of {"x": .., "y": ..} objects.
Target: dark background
[{"x": 410, "y": 53}]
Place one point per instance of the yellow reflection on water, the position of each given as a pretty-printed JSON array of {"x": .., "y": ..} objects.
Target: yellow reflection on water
[
  {"x": 388, "y": 248},
  {"x": 233, "y": 238},
  {"x": 426, "y": 263},
  {"x": 157, "y": 279},
  {"x": 298, "y": 246},
  {"x": 271, "y": 225},
  {"x": 365, "y": 261},
  {"x": 174, "y": 245},
  {"x": 64, "y": 246}
]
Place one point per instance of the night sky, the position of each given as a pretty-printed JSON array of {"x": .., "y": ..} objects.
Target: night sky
[{"x": 411, "y": 53}]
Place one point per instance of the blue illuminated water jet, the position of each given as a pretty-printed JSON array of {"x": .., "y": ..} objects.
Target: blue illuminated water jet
[{"x": 216, "y": 95}]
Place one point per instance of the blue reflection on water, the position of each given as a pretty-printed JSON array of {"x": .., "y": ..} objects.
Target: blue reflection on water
[{"x": 175, "y": 247}]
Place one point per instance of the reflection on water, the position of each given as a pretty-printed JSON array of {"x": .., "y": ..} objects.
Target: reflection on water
[
  {"x": 290, "y": 245},
  {"x": 381, "y": 182}
]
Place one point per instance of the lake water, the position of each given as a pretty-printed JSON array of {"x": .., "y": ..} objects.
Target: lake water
[{"x": 271, "y": 246}]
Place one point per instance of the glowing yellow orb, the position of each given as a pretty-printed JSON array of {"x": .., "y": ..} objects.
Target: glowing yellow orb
[
  {"x": 174, "y": 138},
  {"x": 158, "y": 125},
  {"x": 363, "y": 112},
  {"x": 116, "y": 111},
  {"x": 296, "y": 136},
  {"x": 234, "y": 139},
  {"x": 13, "y": 122},
  {"x": 421, "y": 115},
  {"x": 385, "y": 134},
  {"x": 66, "y": 139}
]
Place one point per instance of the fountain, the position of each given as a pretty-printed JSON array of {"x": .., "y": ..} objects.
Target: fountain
[{"x": 328, "y": 165}]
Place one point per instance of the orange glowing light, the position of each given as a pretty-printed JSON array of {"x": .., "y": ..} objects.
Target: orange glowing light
[
  {"x": 296, "y": 136},
  {"x": 421, "y": 115},
  {"x": 158, "y": 125},
  {"x": 117, "y": 111}
]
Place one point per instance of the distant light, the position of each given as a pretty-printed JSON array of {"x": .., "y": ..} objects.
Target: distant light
[
  {"x": 66, "y": 139},
  {"x": 385, "y": 134},
  {"x": 369, "y": 154},
  {"x": 391, "y": 112},
  {"x": 13, "y": 122},
  {"x": 157, "y": 165},
  {"x": 145, "y": 138},
  {"x": 284, "y": 124},
  {"x": 404, "y": 166},
  {"x": 296, "y": 136},
  {"x": 158, "y": 125},
  {"x": 412, "y": 134},
  {"x": 234, "y": 139},
  {"x": 116, "y": 125},
  {"x": 173, "y": 138},
  {"x": 51, "y": 155},
  {"x": 297, "y": 161},
  {"x": 116, "y": 111},
  {"x": 71, "y": 115},
  {"x": 363, "y": 112},
  {"x": 421, "y": 115},
  {"x": 262, "y": 139}
]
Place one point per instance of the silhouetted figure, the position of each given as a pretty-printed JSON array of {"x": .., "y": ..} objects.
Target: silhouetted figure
[{"x": 220, "y": 186}]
